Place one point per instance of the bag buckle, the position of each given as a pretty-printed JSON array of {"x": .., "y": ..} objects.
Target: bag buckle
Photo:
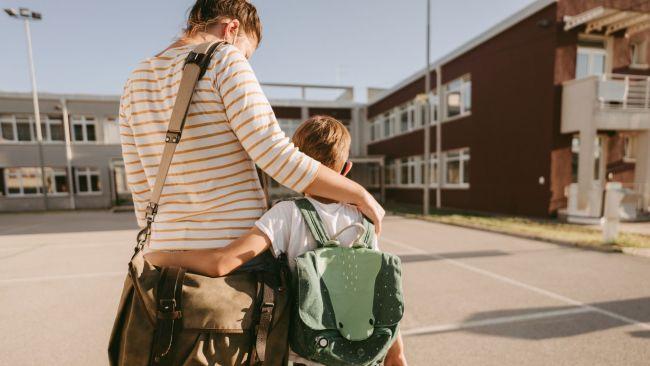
[
  {"x": 267, "y": 307},
  {"x": 151, "y": 211},
  {"x": 167, "y": 310},
  {"x": 194, "y": 58},
  {"x": 173, "y": 136}
]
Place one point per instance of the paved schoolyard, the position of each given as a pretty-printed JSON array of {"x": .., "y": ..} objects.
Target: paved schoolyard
[{"x": 473, "y": 298}]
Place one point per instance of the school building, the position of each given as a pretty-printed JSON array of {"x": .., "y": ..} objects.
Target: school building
[
  {"x": 532, "y": 117},
  {"x": 80, "y": 162}
]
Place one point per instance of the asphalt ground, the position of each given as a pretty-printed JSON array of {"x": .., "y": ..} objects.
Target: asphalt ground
[{"x": 472, "y": 298}]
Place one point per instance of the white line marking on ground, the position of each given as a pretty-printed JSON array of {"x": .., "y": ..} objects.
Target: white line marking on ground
[
  {"x": 516, "y": 283},
  {"x": 60, "y": 277},
  {"x": 494, "y": 321}
]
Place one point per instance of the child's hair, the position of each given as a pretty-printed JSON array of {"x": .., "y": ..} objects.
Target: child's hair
[{"x": 325, "y": 139}]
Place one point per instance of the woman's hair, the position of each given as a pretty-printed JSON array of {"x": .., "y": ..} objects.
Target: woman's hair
[
  {"x": 323, "y": 138},
  {"x": 207, "y": 12}
]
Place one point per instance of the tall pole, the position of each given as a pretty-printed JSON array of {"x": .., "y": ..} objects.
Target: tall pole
[
  {"x": 442, "y": 111},
  {"x": 68, "y": 150},
  {"x": 427, "y": 117},
  {"x": 37, "y": 112}
]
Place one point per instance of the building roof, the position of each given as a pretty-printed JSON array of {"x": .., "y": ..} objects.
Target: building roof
[
  {"x": 57, "y": 96},
  {"x": 469, "y": 45}
]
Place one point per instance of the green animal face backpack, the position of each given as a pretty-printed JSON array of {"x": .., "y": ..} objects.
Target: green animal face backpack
[{"x": 347, "y": 301}]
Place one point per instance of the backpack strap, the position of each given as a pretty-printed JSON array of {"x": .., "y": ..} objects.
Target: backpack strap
[
  {"x": 313, "y": 221},
  {"x": 367, "y": 238}
]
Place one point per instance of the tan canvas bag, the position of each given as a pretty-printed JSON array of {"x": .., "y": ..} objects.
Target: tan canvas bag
[{"x": 167, "y": 316}]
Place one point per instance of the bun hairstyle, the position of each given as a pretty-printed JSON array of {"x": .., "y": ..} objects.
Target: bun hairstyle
[{"x": 206, "y": 12}]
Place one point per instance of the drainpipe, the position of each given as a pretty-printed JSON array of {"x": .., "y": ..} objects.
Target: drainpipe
[
  {"x": 68, "y": 150},
  {"x": 441, "y": 112}
]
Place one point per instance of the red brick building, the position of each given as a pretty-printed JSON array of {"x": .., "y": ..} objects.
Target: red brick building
[{"x": 535, "y": 115}]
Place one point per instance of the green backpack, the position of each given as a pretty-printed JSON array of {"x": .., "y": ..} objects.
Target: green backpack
[{"x": 347, "y": 302}]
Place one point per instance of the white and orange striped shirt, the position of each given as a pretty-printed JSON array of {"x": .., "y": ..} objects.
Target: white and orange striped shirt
[{"x": 212, "y": 194}]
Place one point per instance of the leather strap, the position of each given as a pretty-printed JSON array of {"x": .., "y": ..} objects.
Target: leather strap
[
  {"x": 169, "y": 315},
  {"x": 265, "y": 318}
]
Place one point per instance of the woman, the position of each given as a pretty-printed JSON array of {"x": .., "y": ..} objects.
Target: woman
[{"x": 212, "y": 194}]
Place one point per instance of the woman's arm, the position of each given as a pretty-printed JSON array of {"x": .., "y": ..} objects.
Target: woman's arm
[
  {"x": 215, "y": 262},
  {"x": 252, "y": 120}
]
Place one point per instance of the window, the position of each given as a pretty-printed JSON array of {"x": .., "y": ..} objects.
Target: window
[
  {"x": 410, "y": 171},
  {"x": 388, "y": 125},
  {"x": 456, "y": 168},
  {"x": 111, "y": 130},
  {"x": 591, "y": 58},
  {"x": 458, "y": 97},
  {"x": 23, "y": 128},
  {"x": 87, "y": 180},
  {"x": 23, "y": 181},
  {"x": 391, "y": 173},
  {"x": 7, "y": 128},
  {"x": 639, "y": 54},
  {"x": 629, "y": 147},
  {"x": 373, "y": 175},
  {"x": 83, "y": 129},
  {"x": 403, "y": 119},
  {"x": 289, "y": 126},
  {"x": 57, "y": 181}
]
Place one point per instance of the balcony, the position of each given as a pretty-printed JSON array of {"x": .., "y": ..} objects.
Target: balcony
[{"x": 607, "y": 102}]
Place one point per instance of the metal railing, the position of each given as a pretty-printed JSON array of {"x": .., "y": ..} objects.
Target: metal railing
[
  {"x": 620, "y": 91},
  {"x": 310, "y": 91}
]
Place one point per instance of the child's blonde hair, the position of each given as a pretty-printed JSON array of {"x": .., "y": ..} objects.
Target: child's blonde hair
[{"x": 325, "y": 139}]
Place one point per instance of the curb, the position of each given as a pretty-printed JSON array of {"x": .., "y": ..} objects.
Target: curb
[
  {"x": 602, "y": 249},
  {"x": 639, "y": 252}
]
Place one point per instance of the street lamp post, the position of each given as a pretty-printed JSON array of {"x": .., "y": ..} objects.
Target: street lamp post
[
  {"x": 427, "y": 118},
  {"x": 26, "y": 15}
]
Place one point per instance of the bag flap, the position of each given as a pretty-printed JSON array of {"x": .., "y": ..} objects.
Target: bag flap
[
  {"x": 221, "y": 303},
  {"x": 357, "y": 285}
]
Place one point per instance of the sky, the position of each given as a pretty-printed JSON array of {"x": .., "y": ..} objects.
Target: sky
[{"x": 89, "y": 46}]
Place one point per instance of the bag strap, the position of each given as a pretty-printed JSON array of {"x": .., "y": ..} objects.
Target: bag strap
[
  {"x": 169, "y": 315},
  {"x": 195, "y": 66},
  {"x": 313, "y": 221},
  {"x": 370, "y": 233},
  {"x": 265, "y": 319}
]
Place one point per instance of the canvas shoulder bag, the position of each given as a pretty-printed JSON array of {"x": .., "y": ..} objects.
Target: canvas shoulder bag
[{"x": 168, "y": 316}]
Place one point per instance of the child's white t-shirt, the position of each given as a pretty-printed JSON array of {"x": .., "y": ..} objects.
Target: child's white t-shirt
[{"x": 284, "y": 225}]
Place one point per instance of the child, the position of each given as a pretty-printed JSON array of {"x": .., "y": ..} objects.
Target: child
[{"x": 282, "y": 227}]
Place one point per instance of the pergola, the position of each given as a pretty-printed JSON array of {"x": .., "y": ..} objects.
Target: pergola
[{"x": 602, "y": 20}]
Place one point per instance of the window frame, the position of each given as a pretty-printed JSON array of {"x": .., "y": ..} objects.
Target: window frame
[
  {"x": 84, "y": 121},
  {"x": 88, "y": 172},
  {"x": 22, "y": 194},
  {"x": 462, "y": 157},
  {"x": 293, "y": 125},
  {"x": 464, "y": 90}
]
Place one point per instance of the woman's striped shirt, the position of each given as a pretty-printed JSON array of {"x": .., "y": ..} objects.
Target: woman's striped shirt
[{"x": 212, "y": 194}]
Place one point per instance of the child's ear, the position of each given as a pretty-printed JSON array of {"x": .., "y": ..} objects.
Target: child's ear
[{"x": 347, "y": 168}]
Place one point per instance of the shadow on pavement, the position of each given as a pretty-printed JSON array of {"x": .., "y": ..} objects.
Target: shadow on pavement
[
  {"x": 556, "y": 322},
  {"x": 407, "y": 258}
]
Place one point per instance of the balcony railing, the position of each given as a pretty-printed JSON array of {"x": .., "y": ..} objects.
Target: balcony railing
[
  {"x": 311, "y": 92},
  {"x": 621, "y": 91}
]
